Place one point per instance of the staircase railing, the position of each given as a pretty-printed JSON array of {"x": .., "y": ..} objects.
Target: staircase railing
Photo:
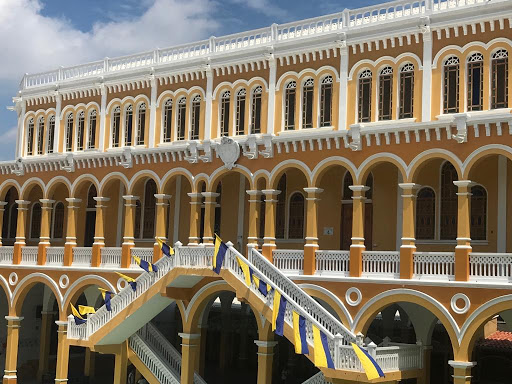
[{"x": 319, "y": 378}]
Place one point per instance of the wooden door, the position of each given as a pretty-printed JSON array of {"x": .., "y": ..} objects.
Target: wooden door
[{"x": 346, "y": 226}]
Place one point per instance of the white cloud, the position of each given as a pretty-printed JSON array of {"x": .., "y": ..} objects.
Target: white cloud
[
  {"x": 9, "y": 136},
  {"x": 265, "y": 7}
]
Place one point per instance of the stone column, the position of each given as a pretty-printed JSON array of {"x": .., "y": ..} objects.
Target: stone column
[
  {"x": 121, "y": 364},
  {"x": 44, "y": 342},
  {"x": 357, "y": 247},
  {"x": 311, "y": 245},
  {"x": 152, "y": 111},
  {"x": 208, "y": 106},
  {"x": 61, "y": 374},
  {"x": 426, "y": 99},
  {"x": 90, "y": 364},
  {"x": 265, "y": 360},
  {"x": 210, "y": 202},
  {"x": 20, "y": 230},
  {"x": 11, "y": 352},
  {"x": 99, "y": 235},
  {"x": 103, "y": 117},
  {"x": 254, "y": 218},
  {"x": 461, "y": 371},
  {"x": 408, "y": 246},
  {"x": 463, "y": 248},
  {"x": 202, "y": 350},
  {"x": 162, "y": 206},
  {"x": 189, "y": 356},
  {"x": 70, "y": 230},
  {"x": 342, "y": 105},
  {"x": 130, "y": 202},
  {"x": 269, "y": 240},
  {"x": 272, "y": 76},
  {"x": 44, "y": 238},
  {"x": 2, "y": 210},
  {"x": 195, "y": 218}
]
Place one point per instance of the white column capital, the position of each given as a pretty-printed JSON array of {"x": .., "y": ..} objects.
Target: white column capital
[
  {"x": 101, "y": 199},
  {"x": 46, "y": 201},
  {"x": 3, "y": 204},
  {"x": 271, "y": 192},
  {"x": 22, "y": 202},
  {"x": 14, "y": 318},
  {"x": 73, "y": 200},
  {"x": 412, "y": 186},
  {"x": 210, "y": 194},
  {"x": 313, "y": 190},
  {"x": 359, "y": 188},
  {"x": 130, "y": 197},
  {"x": 265, "y": 344},
  {"x": 464, "y": 183},
  {"x": 254, "y": 192},
  {"x": 162, "y": 196},
  {"x": 462, "y": 364}
]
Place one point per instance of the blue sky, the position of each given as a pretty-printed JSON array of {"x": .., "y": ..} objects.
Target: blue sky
[{"x": 39, "y": 35}]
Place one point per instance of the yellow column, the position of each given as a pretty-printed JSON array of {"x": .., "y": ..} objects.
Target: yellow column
[
  {"x": 265, "y": 360},
  {"x": 2, "y": 209},
  {"x": 44, "y": 342},
  {"x": 210, "y": 202},
  {"x": 20, "y": 230},
  {"x": 61, "y": 373},
  {"x": 90, "y": 363},
  {"x": 195, "y": 218},
  {"x": 121, "y": 364},
  {"x": 408, "y": 246},
  {"x": 44, "y": 238},
  {"x": 130, "y": 203},
  {"x": 99, "y": 235},
  {"x": 425, "y": 374},
  {"x": 254, "y": 218},
  {"x": 357, "y": 247},
  {"x": 11, "y": 351},
  {"x": 162, "y": 207},
  {"x": 463, "y": 248},
  {"x": 190, "y": 347},
  {"x": 269, "y": 240},
  {"x": 461, "y": 371},
  {"x": 311, "y": 245},
  {"x": 73, "y": 205}
]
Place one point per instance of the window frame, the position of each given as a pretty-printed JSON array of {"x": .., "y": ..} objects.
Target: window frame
[
  {"x": 434, "y": 221},
  {"x": 128, "y": 131},
  {"x": 406, "y": 70},
  {"x": 258, "y": 90},
  {"x": 446, "y": 109},
  {"x": 80, "y": 131},
  {"x": 141, "y": 125},
  {"x": 50, "y": 134},
  {"x": 195, "y": 108},
  {"x": 92, "y": 116},
  {"x": 167, "y": 120},
  {"x": 326, "y": 81},
  {"x": 30, "y": 136},
  {"x": 386, "y": 74},
  {"x": 224, "y": 114},
  {"x": 115, "y": 127},
  {"x": 288, "y": 215},
  {"x": 290, "y": 88},
  {"x": 494, "y": 80},
  {"x": 70, "y": 124},
  {"x": 181, "y": 116},
  {"x": 40, "y": 134},
  {"x": 307, "y": 85},
  {"x": 241, "y": 112},
  {"x": 364, "y": 77},
  {"x": 32, "y": 222},
  {"x": 470, "y": 81},
  {"x": 54, "y": 212}
]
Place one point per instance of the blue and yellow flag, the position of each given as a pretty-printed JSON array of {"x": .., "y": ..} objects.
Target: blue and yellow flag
[
  {"x": 262, "y": 286},
  {"x": 148, "y": 267},
  {"x": 370, "y": 366},
  {"x": 299, "y": 332},
  {"x": 278, "y": 313},
  {"x": 166, "y": 250},
  {"x": 218, "y": 255},
  {"x": 129, "y": 280},
  {"x": 78, "y": 318},
  {"x": 323, "y": 357},
  {"x": 85, "y": 310},
  {"x": 246, "y": 270},
  {"x": 107, "y": 295}
]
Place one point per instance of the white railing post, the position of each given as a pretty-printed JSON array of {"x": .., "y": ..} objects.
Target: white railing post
[{"x": 372, "y": 350}]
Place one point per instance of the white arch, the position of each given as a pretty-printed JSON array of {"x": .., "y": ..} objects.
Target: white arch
[
  {"x": 11, "y": 181},
  {"x": 109, "y": 176},
  {"x": 8, "y": 292},
  {"x": 378, "y": 156},
  {"x": 186, "y": 313},
  {"x": 479, "y": 150},
  {"x": 218, "y": 170},
  {"x": 86, "y": 277},
  {"x": 135, "y": 100},
  {"x": 44, "y": 277},
  {"x": 79, "y": 178},
  {"x": 433, "y": 151},
  {"x": 375, "y": 63},
  {"x": 238, "y": 83},
  {"x": 29, "y": 181},
  {"x": 305, "y": 71},
  {"x": 143, "y": 172},
  {"x": 301, "y": 165},
  {"x": 54, "y": 180},
  {"x": 316, "y": 170},
  {"x": 76, "y": 107},
  {"x": 168, "y": 175}
]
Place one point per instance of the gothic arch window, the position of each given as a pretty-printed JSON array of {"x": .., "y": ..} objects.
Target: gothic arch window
[
  {"x": 347, "y": 182},
  {"x": 148, "y": 222},
  {"x": 224, "y": 113},
  {"x": 58, "y": 221},
  {"x": 425, "y": 214},
  {"x": 289, "y": 105},
  {"x": 182, "y": 114},
  {"x": 296, "y": 216},
  {"x": 30, "y": 137},
  {"x": 478, "y": 213},
  {"x": 91, "y": 139},
  {"x": 326, "y": 102},
  {"x": 499, "y": 85},
  {"x": 386, "y": 94},
  {"x": 256, "y": 110},
  {"x": 406, "y": 91},
  {"x": 51, "y": 134},
  {"x": 448, "y": 202},
  {"x": 196, "y": 117},
  {"x": 116, "y": 126},
  {"x": 365, "y": 96},
  {"x": 141, "y": 124},
  {"x": 40, "y": 136},
  {"x": 451, "y": 85},
  {"x": 35, "y": 221},
  {"x": 81, "y": 131},
  {"x": 69, "y": 132},
  {"x": 281, "y": 208},
  {"x": 307, "y": 103},
  {"x": 240, "y": 111},
  {"x": 475, "y": 82},
  {"x": 128, "y": 125},
  {"x": 167, "y": 120}
]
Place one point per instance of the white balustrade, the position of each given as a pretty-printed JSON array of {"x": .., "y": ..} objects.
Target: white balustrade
[
  {"x": 291, "y": 261},
  {"x": 82, "y": 256},
  {"x": 434, "y": 265},
  {"x": 144, "y": 253},
  {"x": 111, "y": 256},
  {"x": 29, "y": 255},
  {"x": 6, "y": 254},
  {"x": 490, "y": 266},
  {"x": 319, "y": 378},
  {"x": 399, "y": 357},
  {"x": 332, "y": 262},
  {"x": 55, "y": 255},
  {"x": 381, "y": 264}
]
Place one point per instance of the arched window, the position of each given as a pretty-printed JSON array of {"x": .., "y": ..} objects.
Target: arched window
[
  {"x": 141, "y": 124},
  {"x": 69, "y": 132},
  {"x": 386, "y": 94},
  {"x": 448, "y": 202},
  {"x": 296, "y": 217},
  {"x": 51, "y": 134},
  {"x": 196, "y": 117},
  {"x": 281, "y": 208},
  {"x": 365, "y": 96},
  {"x": 478, "y": 213},
  {"x": 116, "y": 126},
  {"x": 326, "y": 102},
  {"x": 167, "y": 120},
  {"x": 499, "y": 86},
  {"x": 182, "y": 114},
  {"x": 425, "y": 214},
  {"x": 40, "y": 136},
  {"x": 406, "y": 91},
  {"x": 307, "y": 103},
  {"x": 35, "y": 221},
  {"x": 451, "y": 85},
  {"x": 256, "y": 110},
  {"x": 148, "y": 229},
  {"x": 240, "y": 111},
  {"x": 30, "y": 137},
  {"x": 224, "y": 113},
  {"x": 289, "y": 105},
  {"x": 81, "y": 131},
  {"x": 58, "y": 221},
  {"x": 128, "y": 125},
  {"x": 475, "y": 82},
  {"x": 91, "y": 140}
]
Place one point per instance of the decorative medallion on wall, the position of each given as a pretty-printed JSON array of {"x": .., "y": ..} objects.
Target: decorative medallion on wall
[
  {"x": 455, "y": 303},
  {"x": 228, "y": 151},
  {"x": 13, "y": 278},
  {"x": 64, "y": 281},
  {"x": 353, "y": 296},
  {"x": 121, "y": 283}
]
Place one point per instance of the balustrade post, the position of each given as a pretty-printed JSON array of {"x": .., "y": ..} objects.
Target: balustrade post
[
  {"x": 210, "y": 202},
  {"x": 311, "y": 245},
  {"x": 265, "y": 359},
  {"x": 190, "y": 347},
  {"x": 162, "y": 207},
  {"x": 61, "y": 374},
  {"x": 70, "y": 230},
  {"x": 195, "y": 218},
  {"x": 463, "y": 248},
  {"x": 44, "y": 238},
  {"x": 2, "y": 210},
  {"x": 461, "y": 371},
  {"x": 357, "y": 247},
  {"x": 269, "y": 239},
  {"x": 254, "y": 218},
  {"x": 130, "y": 203},
  {"x": 11, "y": 350},
  {"x": 99, "y": 235},
  {"x": 408, "y": 246},
  {"x": 20, "y": 230}
]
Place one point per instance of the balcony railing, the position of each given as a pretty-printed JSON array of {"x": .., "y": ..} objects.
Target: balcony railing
[
  {"x": 143, "y": 253},
  {"x": 55, "y": 255},
  {"x": 381, "y": 264},
  {"x": 489, "y": 266},
  {"x": 82, "y": 256},
  {"x": 291, "y": 261},
  {"x": 111, "y": 256},
  {"x": 434, "y": 265},
  {"x": 332, "y": 262},
  {"x": 29, "y": 255}
]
